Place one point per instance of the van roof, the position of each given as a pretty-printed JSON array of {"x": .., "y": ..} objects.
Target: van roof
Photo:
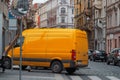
[{"x": 37, "y": 30}]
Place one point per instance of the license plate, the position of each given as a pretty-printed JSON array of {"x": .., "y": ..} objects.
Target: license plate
[{"x": 78, "y": 63}]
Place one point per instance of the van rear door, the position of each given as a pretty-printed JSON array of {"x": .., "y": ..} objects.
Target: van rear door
[{"x": 81, "y": 44}]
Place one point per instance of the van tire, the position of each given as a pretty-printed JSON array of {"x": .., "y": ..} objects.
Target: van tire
[
  {"x": 24, "y": 67},
  {"x": 56, "y": 66},
  {"x": 7, "y": 63},
  {"x": 70, "y": 70},
  {"x": 108, "y": 62},
  {"x": 114, "y": 63}
]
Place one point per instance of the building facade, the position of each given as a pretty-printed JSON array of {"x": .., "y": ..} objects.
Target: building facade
[
  {"x": 113, "y": 25},
  {"x": 100, "y": 24},
  {"x": 3, "y": 25},
  {"x": 57, "y": 13},
  {"x": 84, "y": 19}
]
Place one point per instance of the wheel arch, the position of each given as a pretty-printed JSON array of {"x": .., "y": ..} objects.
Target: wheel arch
[{"x": 56, "y": 60}]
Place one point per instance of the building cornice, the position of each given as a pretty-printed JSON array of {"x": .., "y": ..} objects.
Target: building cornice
[
  {"x": 108, "y": 6},
  {"x": 113, "y": 30}
]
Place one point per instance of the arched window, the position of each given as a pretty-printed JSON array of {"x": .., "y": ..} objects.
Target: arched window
[{"x": 63, "y": 10}]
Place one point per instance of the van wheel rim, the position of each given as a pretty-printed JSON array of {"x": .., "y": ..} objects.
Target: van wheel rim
[{"x": 56, "y": 67}]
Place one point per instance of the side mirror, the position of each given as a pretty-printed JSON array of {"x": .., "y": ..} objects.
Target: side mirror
[
  {"x": 19, "y": 42},
  {"x": 16, "y": 45}
]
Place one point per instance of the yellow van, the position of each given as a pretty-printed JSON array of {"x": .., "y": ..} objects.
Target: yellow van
[{"x": 55, "y": 48}]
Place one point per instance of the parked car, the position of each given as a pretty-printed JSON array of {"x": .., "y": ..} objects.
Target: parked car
[
  {"x": 99, "y": 55},
  {"x": 114, "y": 57},
  {"x": 90, "y": 52}
]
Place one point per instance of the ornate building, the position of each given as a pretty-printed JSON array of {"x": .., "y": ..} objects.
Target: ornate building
[
  {"x": 113, "y": 25},
  {"x": 84, "y": 19},
  {"x": 57, "y": 13},
  {"x": 99, "y": 8}
]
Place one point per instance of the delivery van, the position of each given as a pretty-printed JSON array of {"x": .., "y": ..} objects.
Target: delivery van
[{"x": 57, "y": 49}]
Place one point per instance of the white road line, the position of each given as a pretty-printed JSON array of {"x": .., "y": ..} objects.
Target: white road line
[
  {"x": 112, "y": 78},
  {"x": 59, "y": 77},
  {"x": 76, "y": 78},
  {"x": 29, "y": 77},
  {"x": 94, "y": 78},
  {"x": 38, "y": 77}
]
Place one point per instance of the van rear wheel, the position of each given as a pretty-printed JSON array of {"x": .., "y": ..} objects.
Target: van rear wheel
[
  {"x": 70, "y": 70},
  {"x": 56, "y": 66}
]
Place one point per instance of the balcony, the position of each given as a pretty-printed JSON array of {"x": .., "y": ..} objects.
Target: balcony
[
  {"x": 64, "y": 14},
  {"x": 113, "y": 30},
  {"x": 98, "y": 4}
]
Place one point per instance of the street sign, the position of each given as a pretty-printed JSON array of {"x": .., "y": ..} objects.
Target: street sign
[
  {"x": 12, "y": 24},
  {"x": 11, "y": 16},
  {"x": 19, "y": 8}
]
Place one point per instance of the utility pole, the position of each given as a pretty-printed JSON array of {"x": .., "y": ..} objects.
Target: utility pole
[{"x": 19, "y": 10}]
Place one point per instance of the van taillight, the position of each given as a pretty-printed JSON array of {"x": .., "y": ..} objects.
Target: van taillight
[{"x": 73, "y": 55}]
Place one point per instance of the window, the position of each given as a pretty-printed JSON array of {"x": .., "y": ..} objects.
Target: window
[
  {"x": 63, "y": 1},
  {"x": 77, "y": 11},
  {"x": 89, "y": 4},
  {"x": 116, "y": 18},
  {"x": 119, "y": 41},
  {"x": 77, "y": 1},
  {"x": 72, "y": 11},
  {"x": 62, "y": 19},
  {"x": 72, "y": 19},
  {"x": 71, "y": 2},
  {"x": 108, "y": 46},
  {"x": 115, "y": 43},
  {"x": 63, "y": 10}
]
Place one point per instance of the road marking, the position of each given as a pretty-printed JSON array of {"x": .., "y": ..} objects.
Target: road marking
[
  {"x": 94, "y": 78},
  {"x": 112, "y": 78},
  {"x": 38, "y": 77},
  {"x": 29, "y": 77},
  {"x": 76, "y": 78},
  {"x": 59, "y": 77}
]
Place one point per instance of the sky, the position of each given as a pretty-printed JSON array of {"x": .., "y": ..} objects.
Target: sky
[{"x": 39, "y": 1}]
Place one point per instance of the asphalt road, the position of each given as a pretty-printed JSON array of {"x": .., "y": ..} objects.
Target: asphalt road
[{"x": 95, "y": 71}]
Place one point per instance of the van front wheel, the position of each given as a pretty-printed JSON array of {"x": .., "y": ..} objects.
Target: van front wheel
[
  {"x": 24, "y": 67},
  {"x": 70, "y": 70},
  {"x": 56, "y": 66},
  {"x": 7, "y": 63}
]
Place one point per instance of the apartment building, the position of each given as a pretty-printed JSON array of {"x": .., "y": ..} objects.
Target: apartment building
[
  {"x": 84, "y": 19},
  {"x": 113, "y": 25},
  {"x": 57, "y": 13},
  {"x": 99, "y": 8}
]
